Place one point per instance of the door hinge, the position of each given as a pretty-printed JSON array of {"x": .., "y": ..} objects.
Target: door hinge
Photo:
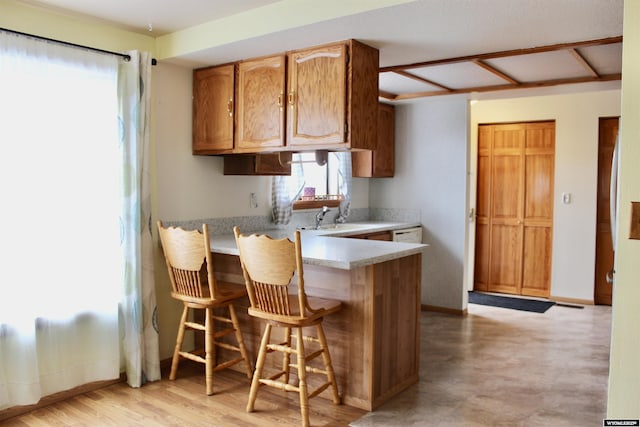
[{"x": 347, "y": 57}]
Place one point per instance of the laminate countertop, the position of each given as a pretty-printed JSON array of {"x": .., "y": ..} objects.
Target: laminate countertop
[{"x": 326, "y": 247}]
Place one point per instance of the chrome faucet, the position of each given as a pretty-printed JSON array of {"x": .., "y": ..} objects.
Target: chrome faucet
[{"x": 320, "y": 215}]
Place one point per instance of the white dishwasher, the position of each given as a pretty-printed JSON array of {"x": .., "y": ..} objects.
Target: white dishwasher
[{"x": 408, "y": 235}]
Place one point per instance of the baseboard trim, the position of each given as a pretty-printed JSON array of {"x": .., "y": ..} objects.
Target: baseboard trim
[
  {"x": 572, "y": 300},
  {"x": 14, "y": 411},
  {"x": 436, "y": 308}
]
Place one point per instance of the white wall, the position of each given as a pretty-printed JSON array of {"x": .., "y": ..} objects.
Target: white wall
[
  {"x": 193, "y": 187},
  {"x": 576, "y": 165},
  {"x": 624, "y": 370},
  {"x": 431, "y": 168}
]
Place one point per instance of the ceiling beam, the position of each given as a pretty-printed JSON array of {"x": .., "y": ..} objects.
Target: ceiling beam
[
  {"x": 502, "y": 54},
  {"x": 585, "y": 64},
  {"x": 495, "y": 71},
  {"x": 421, "y": 79},
  {"x": 527, "y": 85},
  {"x": 387, "y": 95}
]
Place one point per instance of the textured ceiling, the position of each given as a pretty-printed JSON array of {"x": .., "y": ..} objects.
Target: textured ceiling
[{"x": 414, "y": 32}]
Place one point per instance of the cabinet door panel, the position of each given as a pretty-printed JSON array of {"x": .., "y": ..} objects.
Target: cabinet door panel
[
  {"x": 383, "y": 155},
  {"x": 481, "y": 273},
  {"x": 536, "y": 269},
  {"x": 505, "y": 263},
  {"x": 317, "y": 96},
  {"x": 213, "y": 109},
  {"x": 259, "y": 106},
  {"x": 538, "y": 203},
  {"x": 506, "y": 192},
  {"x": 379, "y": 162},
  {"x": 484, "y": 187}
]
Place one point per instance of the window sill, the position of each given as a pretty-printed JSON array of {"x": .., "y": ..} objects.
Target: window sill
[{"x": 312, "y": 204}]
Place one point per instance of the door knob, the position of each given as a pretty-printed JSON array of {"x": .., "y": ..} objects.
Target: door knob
[{"x": 609, "y": 276}]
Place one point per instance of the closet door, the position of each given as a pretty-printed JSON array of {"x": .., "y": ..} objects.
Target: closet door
[
  {"x": 515, "y": 208},
  {"x": 507, "y": 174},
  {"x": 538, "y": 208}
]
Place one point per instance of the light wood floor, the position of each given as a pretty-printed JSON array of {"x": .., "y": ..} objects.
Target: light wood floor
[
  {"x": 183, "y": 402},
  {"x": 494, "y": 367}
]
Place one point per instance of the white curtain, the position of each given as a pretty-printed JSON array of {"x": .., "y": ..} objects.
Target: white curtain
[
  {"x": 62, "y": 263},
  {"x": 344, "y": 184},
  {"x": 285, "y": 190},
  {"x": 138, "y": 307}
]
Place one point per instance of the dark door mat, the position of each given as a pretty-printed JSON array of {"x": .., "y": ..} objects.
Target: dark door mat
[{"x": 508, "y": 302}]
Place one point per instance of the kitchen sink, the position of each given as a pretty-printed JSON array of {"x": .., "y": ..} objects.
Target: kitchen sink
[
  {"x": 336, "y": 227},
  {"x": 344, "y": 226}
]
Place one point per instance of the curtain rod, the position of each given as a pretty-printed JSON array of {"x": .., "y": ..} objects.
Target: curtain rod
[{"x": 94, "y": 49}]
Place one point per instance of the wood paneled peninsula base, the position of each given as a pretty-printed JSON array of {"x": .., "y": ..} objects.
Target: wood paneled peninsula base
[{"x": 375, "y": 339}]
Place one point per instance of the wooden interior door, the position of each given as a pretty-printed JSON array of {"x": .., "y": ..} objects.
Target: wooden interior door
[
  {"x": 514, "y": 208},
  {"x": 608, "y": 132}
]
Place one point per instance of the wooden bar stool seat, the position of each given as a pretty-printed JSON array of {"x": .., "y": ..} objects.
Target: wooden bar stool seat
[
  {"x": 268, "y": 267},
  {"x": 189, "y": 263}
]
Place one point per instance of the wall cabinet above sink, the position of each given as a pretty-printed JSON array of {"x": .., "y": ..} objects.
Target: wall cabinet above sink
[{"x": 329, "y": 101}]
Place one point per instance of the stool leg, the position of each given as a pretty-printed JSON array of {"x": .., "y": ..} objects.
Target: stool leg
[
  {"x": 243, "y": 349},
  {"x": 255, "y": 383},
  {"x": 209, "y": 350},
  {"x": 180, "y": 337},
  {"x": 286, "y": 357},
  {"x": 327, "y": 364},
  {"x": 302, "y": 376}
]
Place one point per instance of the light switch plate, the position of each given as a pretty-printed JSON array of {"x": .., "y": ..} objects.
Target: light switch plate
[{"x": 634, "y": 229}]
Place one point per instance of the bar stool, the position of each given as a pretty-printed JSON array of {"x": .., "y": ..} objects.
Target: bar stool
[
  {"x": 268, "y": 266},
  {"x": 189, "y": 263}
]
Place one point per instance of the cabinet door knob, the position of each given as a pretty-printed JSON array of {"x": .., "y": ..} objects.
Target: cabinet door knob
[
  {"x": 280, "y": 100},
  {"x": 230, "y": 107},
  {"x": 291, "y": 98}
]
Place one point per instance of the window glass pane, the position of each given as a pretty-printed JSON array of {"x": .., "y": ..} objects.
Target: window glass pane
[
  {"x": 332, "y": 167},
  {"x": 314, "y": 175}
]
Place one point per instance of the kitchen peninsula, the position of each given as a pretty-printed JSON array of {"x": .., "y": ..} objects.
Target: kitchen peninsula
[{"x": 375, "y": 338}]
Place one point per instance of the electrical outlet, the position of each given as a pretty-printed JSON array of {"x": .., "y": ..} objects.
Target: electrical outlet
[{"x": 253, "y": 200}]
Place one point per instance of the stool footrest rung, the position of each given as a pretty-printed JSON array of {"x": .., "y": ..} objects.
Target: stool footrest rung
[
  {"x": 227, "y": 364},
  {"x": 279, "y": 385},
  {"x": 222, "y": 319},
  {"x": 227, "y": 346},
  {"x": 192, "y": 356},
  {"x": 319, "y": 390},
  {"x": 194, "y": 325},
  {"x": 223, "y": 333},
  {"x": 282, "y": 348}
]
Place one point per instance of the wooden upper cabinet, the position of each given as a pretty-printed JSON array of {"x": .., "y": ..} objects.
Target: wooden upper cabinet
[
  {"x": 378, "y": 163},
  {"x": 213, "y": 99},
  {"x": 332, "y": 96},
  {"x": 325, "y": 97},
  {"x": 260, "y": 97},
  {"x": 318, "y": 96}
]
